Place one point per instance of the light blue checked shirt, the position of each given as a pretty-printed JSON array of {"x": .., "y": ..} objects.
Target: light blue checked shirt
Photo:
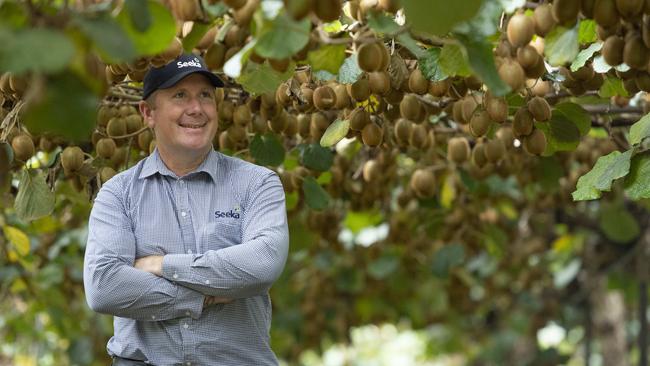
[{"x": 223, "y": 231}]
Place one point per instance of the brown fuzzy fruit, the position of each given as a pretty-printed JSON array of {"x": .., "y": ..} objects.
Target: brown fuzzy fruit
[
  {"x": 116, "y": 127},
  {"x": 328, "y": 10},
  {"x": 587, "y": 8},
  {"x": 544, "y": 21},
  {"x": 419, "y": 137},
  {"x": 372, "y": 171},
  {"x": 298, "y": 9},
  {"x": 439, "y": 88},
  {"x": 409, "y": 107},
  {"x": 469, "y": 105},
  {"x": 423, "y": 183},
  {"x": 242, "y": 115},
  {"x": 523, "y": 123},
  {"x": 105, "y": 148},
  {"x": 520, "y": 29},
  {"x": 402, "y": 130},
  {"x": 494, "y": 150},
  {"x": 359, "y": 90},
  {"x": 370, "y": 56},
  {"x": 359, "y": 118},
  {"x": 605, "y": 13},
  {"x": 417, "y": 82},
  {"x": 535, "y": 143},
  {"x": 23, "y": 147},
  {"x": 635, "y": 53},
  {"x": 629, "y": 9},
  {"x": 215, "y": 56},
  {"x": 379, "y": 82},
  {"x": 324, "y": 98},
  {"x": 72, "y": 158},
  {"x": 479, "y": 123},
  {"x": 497, "y": 109},
  {"x": 133, "y": 123},
  {"x": 566, "y": 12},
  {"x": 539, "y": 108},
  {"x": 527, "y": 56},
  {"x": 106, "y": 173},
  {"x": 458, "y": 149},
  {"x": 372, "y": 135},
  {"x": 478, "y": 155},
  {"x": 185, "y": 9},
  {"x": 612, "y": 50},
  {"x": 512, "y": 74},
  {"x": 144, "y": 139}
]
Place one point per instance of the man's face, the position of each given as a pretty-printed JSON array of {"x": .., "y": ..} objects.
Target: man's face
[{"x": 183, "y": 116}]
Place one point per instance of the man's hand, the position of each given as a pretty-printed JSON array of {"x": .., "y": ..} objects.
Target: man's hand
[
  {"x": 151, "y": 264},
  {"x": 211, "y": 300}
]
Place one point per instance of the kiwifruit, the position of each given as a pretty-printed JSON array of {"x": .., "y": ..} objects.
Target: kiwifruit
[
  {"x": 457, "y": 112},
  {"x": 298, "y": 9},
  {"x": 595, "y": 82},
  {"x": 409, "y": 107},
  {"x": 304, "y": 122},
  {"x": 630, "y": 86},
  {"x": 116, "y": 127},
  {"x": 494, "y": 150},
  {"x": 104, "y": 114},
  {"x": 359, "y": 118},
  {"x": 512, "y": 74},
  {"x": 185, "y": 9},
  {"x": 372, "y": 171},
  {"x": 279, "y": 122},
  {"x": 144, "y": 139},
  {"x": 46, "y": 144},
  {"x": 379, "y": 82},
  {"x": 537, "y": 70},
  {"x": 635, "y": 53},
  {"x": 479, "y": 123},
  {"x": 242, "y": 115},
  {"x": 106, "y": 173},
  {"x": 72, "y": 158},
  {"x": 539, "y": 108},
  {"x": 385, "y": 57},
  {"x": 292, "y": 125},
  {"x": 359, "y": 90},
  {"x": 523, "y": 123},
  {"x": 126, "y": 110},
  {"x": 642, "y": 81},
  {"x": 324, "y": 97},
  {"x": 18, "y": 84},
  {"x": 439, "y": 88},
  {"x": 417, "y": 82},
  {"x": 283, "y": 96},
  {"x": 612, "y": 50},
  {"x": 372, "y": 135},
  {"x": 342, "y": 97},
  {"x": 419, "y": 137},
  {"x": 629, "y": 9},
  {"x": 566, "y": 12},
  {"x": 535, "y": 143},
  {"x": 584, "y": 73},
  {"x": 458, "y": 149},
  {"x": 527, "y": 56},
  {"x": 645, "y": 30},
  {"x": 235, "y": 4},
  {"x": 225, "y": 143},
  {"x": 423, "y": 183},
  {"x": 306, "y": 95},
  {"x": 402, "y": 130},
  {"x": 173, "y": 50},
  {"x": 208, "y": 38},
  {"x": 5, "y": 87},
  {"x": 587, "y": 8},
  {"x": 369, "y": 57},
  {"x": 133, "y": 123},
  {"x": 520, "y": 29},
  {"x": 215, "y": 56},
  {"x": 319, "y": 124},
  {"x": 23, "y": 147},
  {"x": 244, "y": 15},
  {"x": 237, "y": 133},
  {"x": 105, "y": 147},
  {"x": 605, "y": 13},
  {"x": 506, "y": 135},
  {"x": 225, "y": 111},
  {"x": 469, "y": 105},
  {"x": 478, "y": 155},
  {"x": 497, "y": 109},
  {"x": 328, "y": 10},
  {"x": 279, "y": 65}
]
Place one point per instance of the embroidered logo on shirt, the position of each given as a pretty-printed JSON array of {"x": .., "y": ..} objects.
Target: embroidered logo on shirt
[{"x": 233, "y": 213}]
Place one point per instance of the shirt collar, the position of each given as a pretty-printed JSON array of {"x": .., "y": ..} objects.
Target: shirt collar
[{"x": 154, "y": 164}]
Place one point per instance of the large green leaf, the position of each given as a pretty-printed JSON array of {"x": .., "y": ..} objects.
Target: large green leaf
[
  {"x": 282, "y": 37},
  {"x": 13, "y": 14},
  {"x": 483, "y": 25},
  {"x": 335, "y": 132},
  {"x": 446, "y": 258},
  {"x": 259, "y": 79},
  {"x": 139, "y": 14},
  {"x": 438, "y": 17},
  {"x": 328, "y": 57},
  {"x": 67, "y": 108},
  {"x": 315, "y": 196},
  {"x": 640, "y": 130},
  {"x": 561, "y": 45},
  {"x": 267, "y": 150},
  {"x": 316, "y": 157},
  {"x": 349, "y": 72},
  {"x": 108, "y": 37},
  {"x": 617, "y": 223},
  {"x": 430, "y": 65},
  {"x": 481, "y": 60},
  {"x": 453, "y": 61},
  {"x": 572, "y": 113},
  {"x": 383, "y": 24},
  {"x": 196, "y": 34},
  {"x": 607, "y": 169},
  {"x": 637, "y": 182},
  {"x": 585, "y": 55},
  {"x": 34, "y": 199},
  {"x": 34, "y": 50},
  {"x": 158, "y": 35}
]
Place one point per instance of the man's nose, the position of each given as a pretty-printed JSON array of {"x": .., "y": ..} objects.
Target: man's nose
[{"x": 194, "y": 106}]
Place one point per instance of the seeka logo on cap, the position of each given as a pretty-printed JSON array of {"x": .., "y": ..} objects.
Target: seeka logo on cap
[{"x": 191, "y": 63}]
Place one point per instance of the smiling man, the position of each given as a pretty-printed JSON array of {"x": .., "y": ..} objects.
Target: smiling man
[{"x": 184, "y": 246}]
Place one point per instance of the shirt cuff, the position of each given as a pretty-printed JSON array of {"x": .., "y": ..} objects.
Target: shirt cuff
[
  {"x": 176, "y": 267},
  {"x": 189, "y": 302}
]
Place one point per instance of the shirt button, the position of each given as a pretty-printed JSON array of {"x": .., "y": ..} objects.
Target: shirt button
[
  {"x": 153, "y": 317},
  {"x": 207, "y": 282},
  {"x": 183, "y": 213},
  {"x": 189, "y": 251},
  {"x": 185, "y": 326},
  {"x": 175, "y": 275}
]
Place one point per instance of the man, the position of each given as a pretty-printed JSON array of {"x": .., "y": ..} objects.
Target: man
[{"x": 184, "y": 246}]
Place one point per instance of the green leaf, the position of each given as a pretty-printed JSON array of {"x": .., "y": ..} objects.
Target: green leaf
[
  {"x": 384, "y": 266},
  {"x": 196, "y": 34},
  {"x": 322, "y": 75},
  {"x": 481, "y": 59},
  {"x": 549, "y": 171},
  {"x": 483, "y": 25},
  {"x": 407, "y": 41},
  {"x": 335, "y": 132},
  {"x": 430, "y": 65},
  {"x": 328, "y": 57},
  {"x": 315, "y": 196},
  {"x": 316, "y": 157},
  {"x": 259, "y": 79},
  {"x": 561, "y": 45},
  {"x": 18, "y": 239},
  {"x": 640, "y": 130},
  {"x": 573, "y": 113},
  {"x": 158, "y": 35},
  {"x": 34, "y": 199},
  {"x": 587, "y": 31},
  {"x": 453, "y": 61},
  {"x": 585, "y": 55},
  {"x": 607, "y": 169},
  {"x": 34, "y": 50},
  {"x": 13, "y": 14},
  {"x": 267, "y": 150},
  {"x": 612, "y": 86},
  {"x": 282, "y": 37},
  {"x": 349, "y": 71},
  {"x": 109, "y": 38},
  {"x": 438, "y": 17},
  {"x": 446, "y": 258},
  {"x": 637, "y": 182},
  {"x": 617, "y": 223},
  {"x": 357, "y": 220},
  {"x": 383, "y": 24},
  {"x": 68, "y": 108},
  {"x": 139, "y": 14}
]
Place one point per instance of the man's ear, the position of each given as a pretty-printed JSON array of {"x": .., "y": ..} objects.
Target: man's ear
[{"x": 147, "y": 113}]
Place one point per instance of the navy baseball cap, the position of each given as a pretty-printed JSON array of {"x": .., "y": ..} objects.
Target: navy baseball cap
[{"x": 170, "y": 74}]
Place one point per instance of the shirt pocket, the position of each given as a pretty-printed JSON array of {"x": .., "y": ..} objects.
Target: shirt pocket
[{"x": 223, "y": 234}]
